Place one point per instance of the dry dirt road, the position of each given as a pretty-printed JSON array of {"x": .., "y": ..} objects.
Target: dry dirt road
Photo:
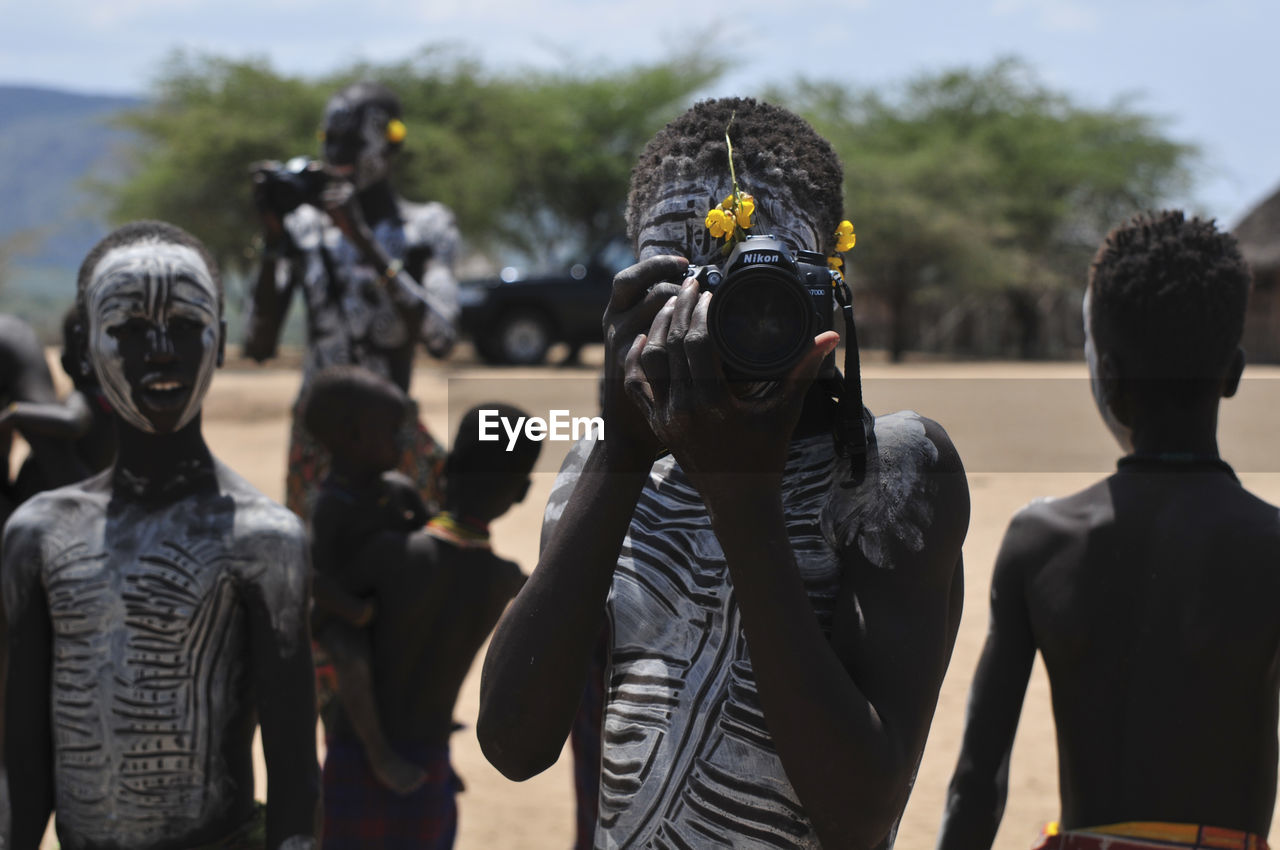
[{"x": 1023, "y": 430}]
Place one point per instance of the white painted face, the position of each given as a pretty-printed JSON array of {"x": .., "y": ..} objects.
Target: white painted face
[
  {"x": 374, "y": 162},
  {"x": 1122, "y": 433},
  {"x": 675, "y": 224},
  {"x": 355, "y": 141},
  {"x": 155, "y": 332}
]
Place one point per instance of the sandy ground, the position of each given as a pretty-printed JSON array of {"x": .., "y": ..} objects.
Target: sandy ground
[{"x": 1023, "y": 430}]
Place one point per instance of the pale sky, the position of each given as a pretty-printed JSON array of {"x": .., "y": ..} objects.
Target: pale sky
[{"x": 1203, "y": 66}]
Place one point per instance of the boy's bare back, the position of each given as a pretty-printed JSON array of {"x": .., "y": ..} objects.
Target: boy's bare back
[
  {"x": 437, "y": 604},
  {"x": 1152, "y": 595}
]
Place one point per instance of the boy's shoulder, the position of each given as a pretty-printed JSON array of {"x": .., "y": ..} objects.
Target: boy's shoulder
[
  {"x": 1217, "y": 507},
  {"x": 259, "y": 519},
  {"x": 913, "y": 498},
  {"x": 53, "y": 512}
]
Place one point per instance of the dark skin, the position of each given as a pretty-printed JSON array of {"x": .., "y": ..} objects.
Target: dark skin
[
  {"x": 1152, "y": 586},
  {"x": 30, "y": 405},
  {"x": 355, "y": 213},
  {"x": 373, "y": 500},
  {"x": 437, "y": 604},
  {"x": 247, "y": 564},
  {"x": 849, "y": 715}
]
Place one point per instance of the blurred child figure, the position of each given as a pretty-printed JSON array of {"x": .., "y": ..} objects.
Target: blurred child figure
[
  {"x": 1152, "y": 594},
  {"x": 356, "y": 414},
  {"x": 29, "y": 406},
  {"x": 438, "y": 594}
]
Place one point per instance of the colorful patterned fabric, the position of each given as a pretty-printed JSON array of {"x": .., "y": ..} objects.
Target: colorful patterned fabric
[
  {"x": 326, "y": 677},
  {"x": 362, "y": 814},
  {"x": 422, "y": 459},
  {"x": 1149, "y": 835}
]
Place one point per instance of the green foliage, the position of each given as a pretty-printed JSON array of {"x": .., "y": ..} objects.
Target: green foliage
[
  {"x": 985, "y": 180},
  {"x": 210, "y": 119},
  {"x": 538, "y": 163}
]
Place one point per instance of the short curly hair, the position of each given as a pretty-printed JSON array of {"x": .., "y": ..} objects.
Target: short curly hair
[
  {"x": 338, "y": 395},
  {"x": 145, "y": 230},
  {"x": 1168, "y": 294},
  {"x": 768, "y": 141}
]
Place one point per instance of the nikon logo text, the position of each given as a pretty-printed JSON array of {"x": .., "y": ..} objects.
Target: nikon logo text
[
  {"x": 756, "y": 258},
  {"x": 558, "y": 427}
]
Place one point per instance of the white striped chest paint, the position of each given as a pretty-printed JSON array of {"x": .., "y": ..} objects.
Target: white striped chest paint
[{"x": 688, "y": 761}]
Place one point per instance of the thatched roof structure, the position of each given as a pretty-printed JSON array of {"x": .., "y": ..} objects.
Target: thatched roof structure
[{"x": 1259, "y": 236}]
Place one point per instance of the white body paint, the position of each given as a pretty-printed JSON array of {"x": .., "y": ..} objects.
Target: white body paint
[
  {"x": 684, "y": 734},
  {"x": 150, "y": 648},
  {"x": 676, "y": 221},
  {"x": 892, "y": 508},
  {"x": 153, "y": 281},
  {"x": 351, "y": 320}
]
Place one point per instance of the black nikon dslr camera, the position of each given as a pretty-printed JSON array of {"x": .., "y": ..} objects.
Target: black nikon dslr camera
[
  {"x": 288, "y": 185},
  {"x": 768, "y": 304}
]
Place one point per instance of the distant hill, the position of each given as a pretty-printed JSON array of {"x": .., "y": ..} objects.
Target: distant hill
[{"x": 51, "y": 143}]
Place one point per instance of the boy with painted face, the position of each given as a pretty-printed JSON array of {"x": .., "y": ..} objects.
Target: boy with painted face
[
  {"x": 376, "y": 273},
  {"x": 1151, "y": 594},
  {"x": 779, "y": 627},
  {"x": 157, "y": 611}
]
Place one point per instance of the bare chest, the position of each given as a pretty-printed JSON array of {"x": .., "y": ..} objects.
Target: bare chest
[{"x": 149, "y": 645}]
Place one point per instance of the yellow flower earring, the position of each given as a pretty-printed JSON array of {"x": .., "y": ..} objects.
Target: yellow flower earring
[
  {"x": 845, "y": 240},
  {"x": 396, "y": 131}
]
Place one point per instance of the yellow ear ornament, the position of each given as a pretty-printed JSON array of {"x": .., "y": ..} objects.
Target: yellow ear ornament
[{"x": 396, "y": 131}]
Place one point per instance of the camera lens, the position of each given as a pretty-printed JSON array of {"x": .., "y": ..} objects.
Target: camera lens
[{"x": 760, "y": 320}]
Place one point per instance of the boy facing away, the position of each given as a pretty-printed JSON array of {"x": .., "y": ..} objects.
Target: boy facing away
[
  {"x": 439, "y": 593},
  {"x": 1152, "y": 594},
  {"x": 157, "y": 612}
]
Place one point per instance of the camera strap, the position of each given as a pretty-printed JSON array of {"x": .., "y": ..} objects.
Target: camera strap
[{"x": 850, "y": 428}]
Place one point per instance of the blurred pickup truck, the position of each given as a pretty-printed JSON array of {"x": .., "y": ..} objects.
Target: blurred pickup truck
[{"x": 515, "y": 317}]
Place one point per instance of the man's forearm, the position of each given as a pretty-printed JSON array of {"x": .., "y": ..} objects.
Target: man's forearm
[
  {"x": 975, "y": 806},
  {"x": 832, "y": 741},
  {"x": 289, "y": 748},
  {"x": 266, "y": 311},
  {"x": 28, "y": 751},
  {"x": 67, "y": 421},
  {"x": 536, "y": 665}
]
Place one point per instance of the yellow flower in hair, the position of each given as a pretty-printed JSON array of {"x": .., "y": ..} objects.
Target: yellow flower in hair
[
  {"x": 845, "y": 237},
  {"x": 396, "y": 131},
  {"x": 746, "y": 207},
  {"x": 727, "y": 203},
  {"x": 720, "y": 223}
]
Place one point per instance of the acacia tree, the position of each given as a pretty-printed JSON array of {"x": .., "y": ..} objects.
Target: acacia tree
[
  {"x": 986, "y": 181},
  {"x": 538, "y": 163}
]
